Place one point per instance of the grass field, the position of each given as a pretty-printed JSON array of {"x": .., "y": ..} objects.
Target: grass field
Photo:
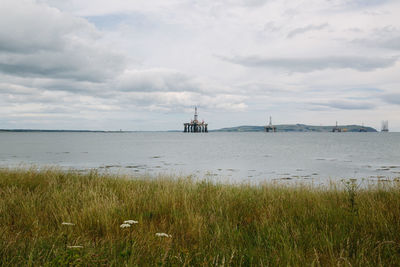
[{"x": 205, "y": 224}]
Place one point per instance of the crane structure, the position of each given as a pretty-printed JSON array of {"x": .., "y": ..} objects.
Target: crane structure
[
  {"x": 385, "y": 126},
  {"x": 270, "y": 127}
]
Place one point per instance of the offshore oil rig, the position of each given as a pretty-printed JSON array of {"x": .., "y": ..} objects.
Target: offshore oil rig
[
  {"x": 337, "y": 129},
  {"x": 385, "y": 126},
  {"x": 270, "y": 127},
  {"x": 195, "y": 126}
]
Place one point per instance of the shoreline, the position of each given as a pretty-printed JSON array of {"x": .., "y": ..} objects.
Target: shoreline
[{"x": 124, "y": 173}]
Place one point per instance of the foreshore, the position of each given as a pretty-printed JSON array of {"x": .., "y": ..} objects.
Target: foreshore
[{"x": 55, "y": 218}]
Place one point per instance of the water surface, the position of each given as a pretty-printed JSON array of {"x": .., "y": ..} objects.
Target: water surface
[{"x": 235, "y": 157}]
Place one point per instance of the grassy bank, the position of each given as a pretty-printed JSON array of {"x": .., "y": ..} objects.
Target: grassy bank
[{"x": 209, "y": 224}]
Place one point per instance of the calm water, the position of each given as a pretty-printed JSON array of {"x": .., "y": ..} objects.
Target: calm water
[{"x": 234, "y": 157}]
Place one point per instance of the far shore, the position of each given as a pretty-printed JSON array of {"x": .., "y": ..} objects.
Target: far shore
[{"x": 243, "y": 128}]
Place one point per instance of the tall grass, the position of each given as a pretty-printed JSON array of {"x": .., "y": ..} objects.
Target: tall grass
[{"x": 210, "y": 224}]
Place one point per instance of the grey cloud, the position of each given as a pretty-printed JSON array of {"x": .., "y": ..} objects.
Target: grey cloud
[
  {"x": 308, "y": 28},
  {"x": 43, "y": 42},
  {"x": 254, "y": 3},
  {"x": 347, "y": 105},
  {"x": 243, "y": 3},
  {"x": 16, "y": 89},
  {"x": 355, "y": 30},
  {"x": 391, "y": 98},
  {"x": 21, "y": 95},
  {"x": 33, "y": 27},
  {"x": 313, "y": 64},
  {"x": 170, "y": 101},
  {"x": 271, "y": 27},
  {"x": 258, "y": 88},
  {"x": 57, "y": 110},
  {"x": 392, "y": 43},
  {"x": 317, "y": 108},
  {"x": 165, "y": 80},
  {"x": 357, "y": 4},
  {"x": 384, "y": 37},
  {"x": 364, "y": 90},
  {"x": 367, "y": 3},
  {"x": 156, "y": 80},
  {"x": 81, "y": 87},
  {"x": 33, "y": 85},
  {"x": 76, "y": 63}
]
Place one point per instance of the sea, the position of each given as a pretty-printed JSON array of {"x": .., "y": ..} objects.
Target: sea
[{"x": 236, "y": 157}]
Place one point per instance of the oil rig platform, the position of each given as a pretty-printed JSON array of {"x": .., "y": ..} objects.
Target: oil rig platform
[
  {"x": 195, "y": 126},
  {"x": 385, "y": 126},
  {"x": 270, "y": 127},
  {"x": 337, "y": 129}
]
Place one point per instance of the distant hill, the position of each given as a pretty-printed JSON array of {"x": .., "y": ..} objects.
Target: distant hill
[{"x": 296, "y": 128}]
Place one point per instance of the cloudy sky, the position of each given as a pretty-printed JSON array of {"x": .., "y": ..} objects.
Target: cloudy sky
[{"x": 144, "y": 64}]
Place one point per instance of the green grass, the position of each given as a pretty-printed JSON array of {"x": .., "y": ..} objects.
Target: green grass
[{"x": 211, "y": 224}]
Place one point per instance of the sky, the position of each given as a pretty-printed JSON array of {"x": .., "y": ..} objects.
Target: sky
[{"x": 144, "y": 64}]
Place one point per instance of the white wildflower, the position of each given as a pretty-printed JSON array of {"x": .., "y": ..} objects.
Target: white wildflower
[
  {"x": 67, "y": 223},
  {"x": 125, "y": 225},
  {"x": 74, "y": 246},
  {"x": 163, "y": 235},
  {"x": 130, "y": 222}
]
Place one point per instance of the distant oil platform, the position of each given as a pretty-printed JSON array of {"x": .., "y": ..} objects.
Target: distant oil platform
[
  {"x": 385, "y": 126},
  {"x": 337, "y": 129},
  {"x": 270, "y": 127},
  {"x": 195, "y": 126}
]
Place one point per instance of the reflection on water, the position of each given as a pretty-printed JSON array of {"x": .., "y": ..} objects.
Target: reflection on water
[{"x": 220, "y": 156}]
